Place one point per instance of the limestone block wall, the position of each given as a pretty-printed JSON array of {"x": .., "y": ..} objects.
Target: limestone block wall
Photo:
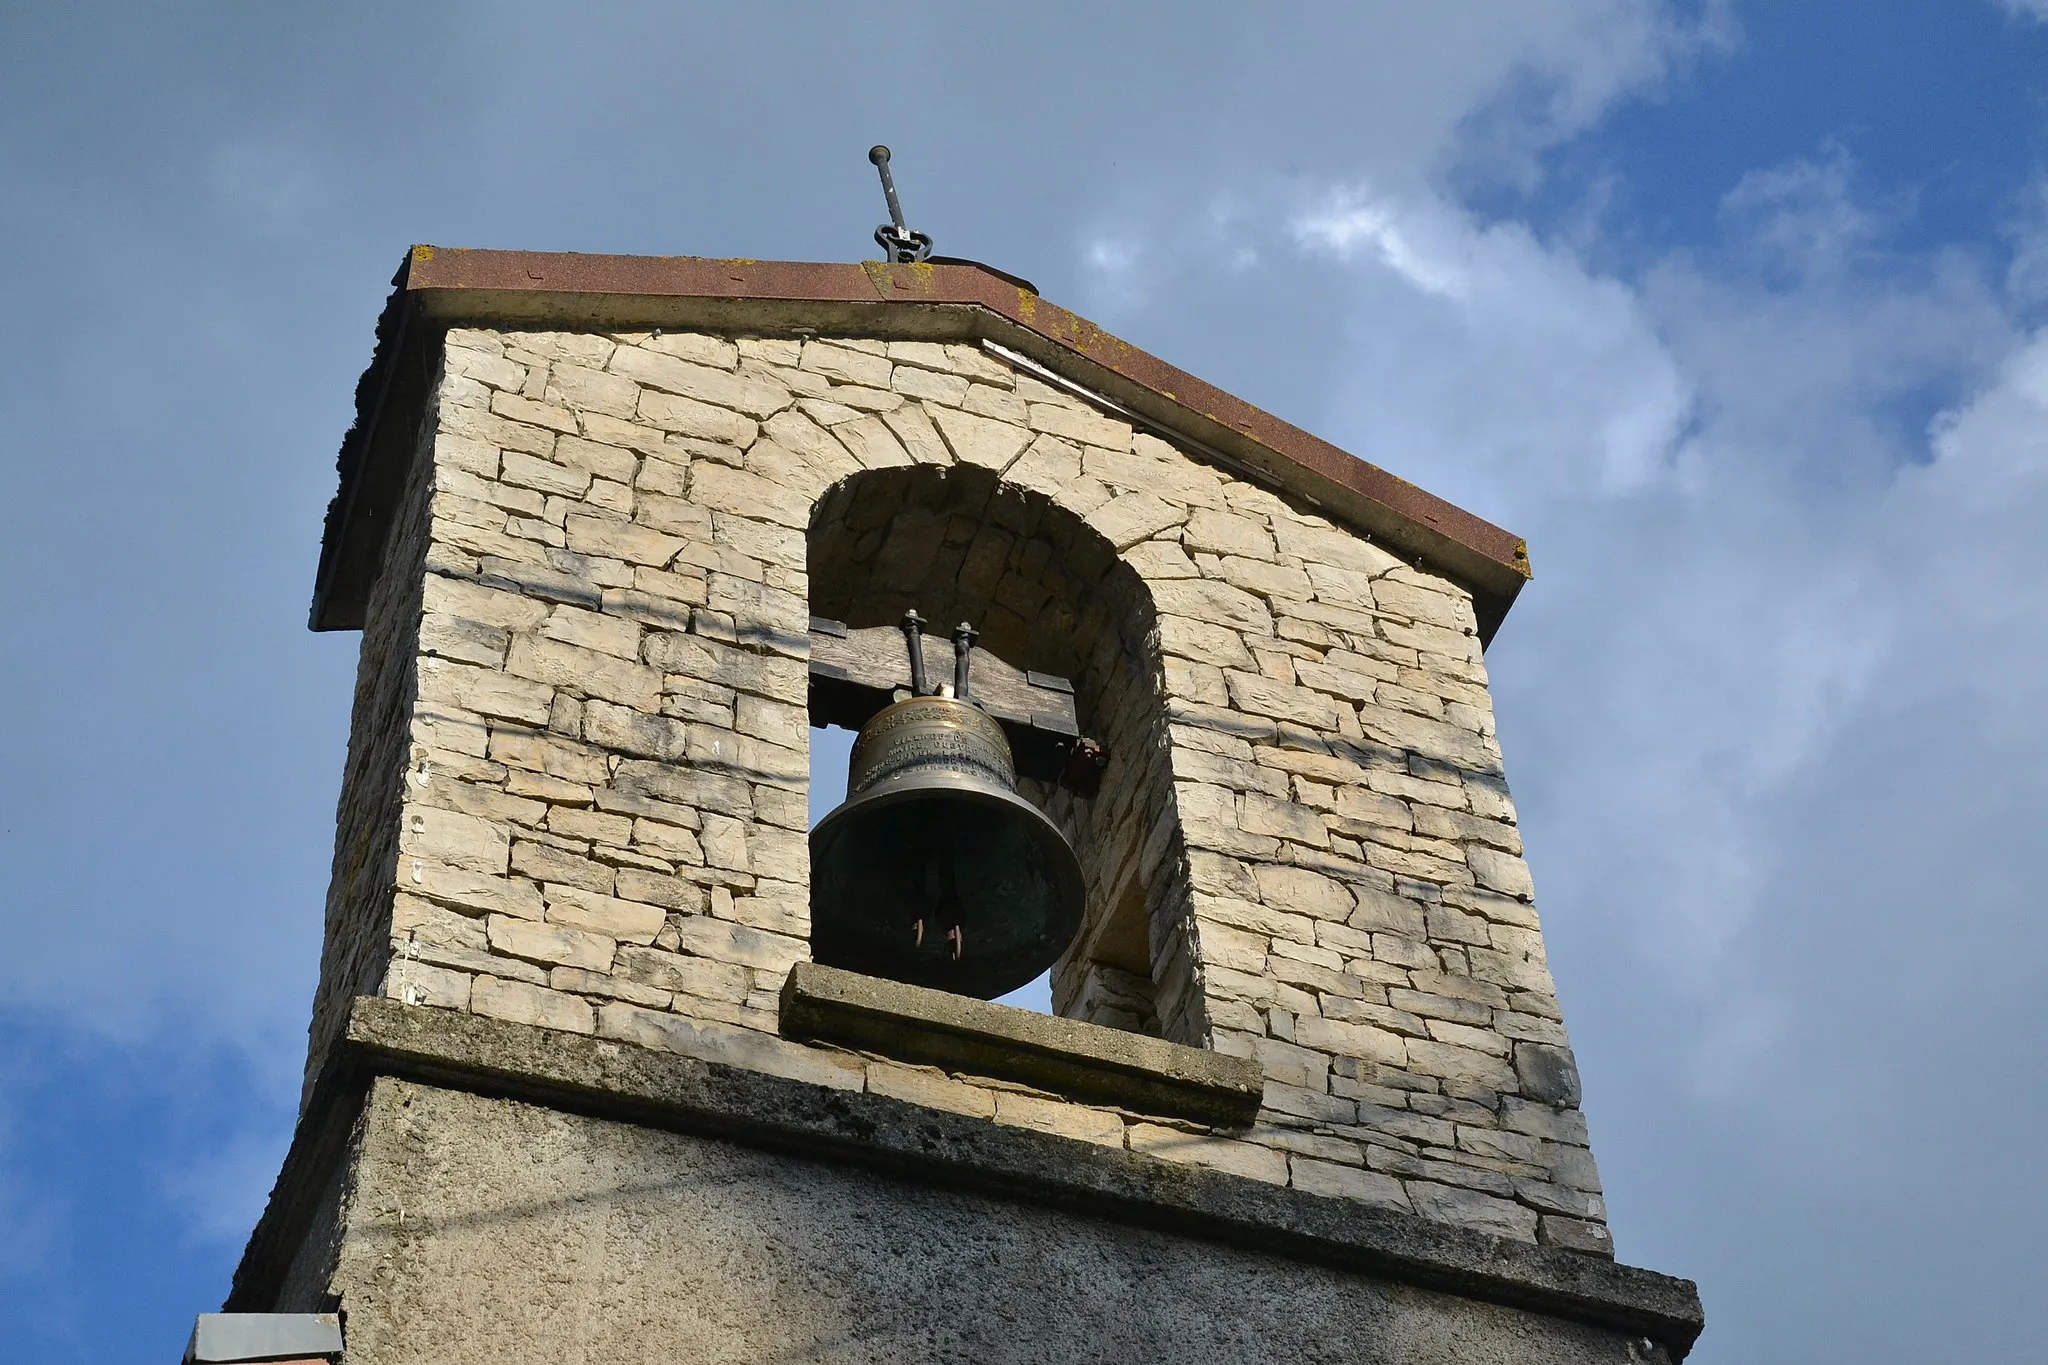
[{"x": 576, "y": 791}]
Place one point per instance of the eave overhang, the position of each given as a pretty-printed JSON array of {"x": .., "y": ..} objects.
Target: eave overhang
[{"x": 438, "y": 288}]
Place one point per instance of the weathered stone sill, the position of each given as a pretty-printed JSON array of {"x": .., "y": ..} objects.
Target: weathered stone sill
[{"x": 1084, "y": 1061}]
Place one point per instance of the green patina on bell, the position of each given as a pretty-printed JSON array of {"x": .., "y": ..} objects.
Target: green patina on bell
[{"x": 934, "y": 871}]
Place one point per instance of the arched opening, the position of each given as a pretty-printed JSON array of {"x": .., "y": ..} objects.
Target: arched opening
[{"x": 1048, "y": 594}]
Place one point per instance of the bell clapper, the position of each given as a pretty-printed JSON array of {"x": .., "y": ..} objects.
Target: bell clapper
[
  {"x": 918, "y": 941},
  {"x": 958, "y": 939}
]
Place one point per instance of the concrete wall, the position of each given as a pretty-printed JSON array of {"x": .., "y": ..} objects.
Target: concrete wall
[
  {"x": 486, "y": 1231},
  {"x": 604, "y": 764}
]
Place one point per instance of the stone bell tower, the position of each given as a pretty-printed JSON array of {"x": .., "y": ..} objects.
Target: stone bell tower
[{"x": 616, "y": 531}]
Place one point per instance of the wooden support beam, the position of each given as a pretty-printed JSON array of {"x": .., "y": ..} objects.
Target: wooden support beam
[{"x": 857, "y": 672}]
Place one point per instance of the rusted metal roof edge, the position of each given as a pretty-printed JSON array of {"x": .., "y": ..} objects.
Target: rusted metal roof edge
[{"x": 921, "y": 302}]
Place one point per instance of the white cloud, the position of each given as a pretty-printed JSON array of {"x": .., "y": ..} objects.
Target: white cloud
[
  {"x": 1802, "y": 217},
  {"x": 1501, "y": 349},
  {"x": 2026, "y": 278},
  {"x": 1776, "y": 704},
  {"x": 1778, "y": 695},
  {"x": 1499, "y": 371},
  {"x": 2025, "y": 9},
  {"x": 1701, "y": 471},
  {"x": 1574, "y": 62},
  {"x": 1354, "y": 221},
  {"x": 1465, "y": 89},
  {"x": 1111, "y": 256}
]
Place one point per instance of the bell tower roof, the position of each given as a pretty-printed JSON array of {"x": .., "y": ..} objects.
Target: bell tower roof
[{"x": 437, "y": 287}]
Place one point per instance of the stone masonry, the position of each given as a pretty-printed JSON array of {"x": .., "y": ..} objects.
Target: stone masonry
[{"x": 576, "y": 787}]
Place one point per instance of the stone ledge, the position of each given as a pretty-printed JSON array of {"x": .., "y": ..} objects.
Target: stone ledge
[
  {"x": 624, "y": 1083},
  {"x": 1085, "y": 1061}
]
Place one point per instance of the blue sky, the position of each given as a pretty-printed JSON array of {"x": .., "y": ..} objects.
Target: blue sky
[{"x": 1734, "y": 310}]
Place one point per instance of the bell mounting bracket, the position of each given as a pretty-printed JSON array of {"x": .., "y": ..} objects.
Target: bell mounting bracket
[{"x": 856, "y": 672}]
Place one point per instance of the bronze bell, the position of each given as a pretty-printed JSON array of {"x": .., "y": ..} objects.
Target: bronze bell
[{"x": 933, "y": 870}]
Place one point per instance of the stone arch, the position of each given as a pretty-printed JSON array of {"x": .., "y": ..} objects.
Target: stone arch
[{"x": 1049, "y": 592}]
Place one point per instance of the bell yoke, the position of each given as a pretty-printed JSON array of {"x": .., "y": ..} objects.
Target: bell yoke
[{"x": 934, "y": 871}]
